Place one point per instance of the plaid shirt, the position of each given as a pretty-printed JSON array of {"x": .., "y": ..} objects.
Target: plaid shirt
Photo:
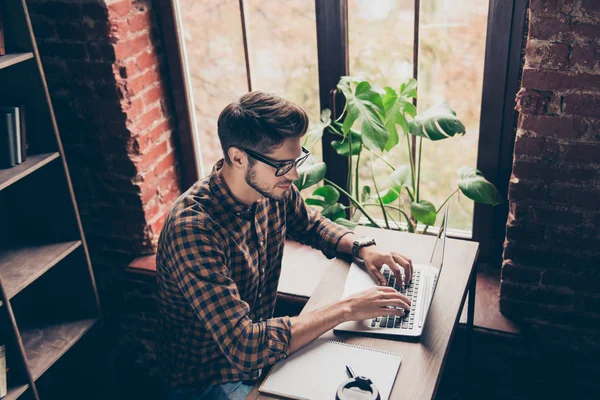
[{"x": 218, "y": 266}]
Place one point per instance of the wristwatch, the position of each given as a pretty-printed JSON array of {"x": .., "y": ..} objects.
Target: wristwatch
[{"x": 359, "y": 243}]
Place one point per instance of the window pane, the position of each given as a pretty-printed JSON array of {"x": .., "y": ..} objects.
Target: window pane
[
  {"x": 215, "y": 54},
  {"x": 282, "y": 42},
  {"x": 451, "y": 59}
]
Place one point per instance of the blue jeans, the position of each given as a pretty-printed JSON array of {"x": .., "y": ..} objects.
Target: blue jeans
[{"x": 224, "y": 391}]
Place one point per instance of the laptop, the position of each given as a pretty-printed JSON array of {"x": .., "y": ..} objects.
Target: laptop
[{"x": 421, "y": 291}]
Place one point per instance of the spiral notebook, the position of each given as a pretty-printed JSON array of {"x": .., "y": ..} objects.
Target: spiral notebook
[{"x": 317, "y": 370}]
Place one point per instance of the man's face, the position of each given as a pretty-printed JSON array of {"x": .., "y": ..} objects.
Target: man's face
[{"x": 261, "y": 177}]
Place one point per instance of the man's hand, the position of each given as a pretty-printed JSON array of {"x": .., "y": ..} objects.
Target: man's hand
[
  {"x": 375, "y": 302},
  {"x": 374, "y": 259}
]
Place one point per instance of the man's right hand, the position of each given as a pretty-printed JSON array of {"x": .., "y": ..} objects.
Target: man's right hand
[{"x": 371, "y": 303}]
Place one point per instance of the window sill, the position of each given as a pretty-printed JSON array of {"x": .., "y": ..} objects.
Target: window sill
[{"x": 487, "y": 310}]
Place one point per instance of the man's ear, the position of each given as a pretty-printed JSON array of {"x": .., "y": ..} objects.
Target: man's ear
[{"x": 238, "y": 157}]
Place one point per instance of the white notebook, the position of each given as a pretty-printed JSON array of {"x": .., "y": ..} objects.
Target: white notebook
[{"x": 317, "y": 370}]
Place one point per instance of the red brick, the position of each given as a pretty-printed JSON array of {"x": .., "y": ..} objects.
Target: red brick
[
  {"x": 589, "y": 31},
  {"x": 529, "y": 146},
  {"x": 531, "y": 101},
  {"x": 147, "y": 60},
  {"x": 548, "y": 55},
  {"x": 151, "y": 208},
  {"x": 525, "y": 234},
  {"x": 153, "y": 95},
  {"x": 159, "y": 130},
  {"x": 527, "y": 191},
  {"x": 119, "y": 9},
  {"x": 515, "y": 274},
  {"x": 164, "y": 164},
  {"x": 141, "y": 82},
  {"x": 585, "y": 56},
  {"x": 551, "y": 7},
  {"x": 140, "y": 21},
  {"x": 588, "y": 153},
  {"x": 547, "y": 28},
  {"x": 135, "y": 106},
  {"x": 550, "y": 80},
  {"x": 572, "y": 238},
  {"x": 587, "y": 105},
  {"x": 126, "y": 48},
  {"x": 148, "y": 119},
  {"x": 556, "y": 216},
  {"x": 151, "y": 156},
  {"x": 533, "y": 170},
  {"x": 581, "y": 197},
  {"x": 562, "y": 127}
]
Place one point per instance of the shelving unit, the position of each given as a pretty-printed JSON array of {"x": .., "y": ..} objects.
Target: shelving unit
[{"x": 49, "y": 304}]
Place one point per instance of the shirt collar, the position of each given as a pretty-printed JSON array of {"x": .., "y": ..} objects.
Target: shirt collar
[{"x": 224, "y": 196}]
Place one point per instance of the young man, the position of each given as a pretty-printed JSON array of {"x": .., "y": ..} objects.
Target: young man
[{"x": 219, "y": 258}]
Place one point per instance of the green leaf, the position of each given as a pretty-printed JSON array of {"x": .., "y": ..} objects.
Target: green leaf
[
  {"x": 311, "y": 173},
  {"x": 401, "y": 177},
  {"x": 315, "y": 130},
  {"x": 333, "y": 212},
  {"x": 473, "y": 185},
  {"x": 437, "y": 123},
  {"x": 344, "y": 222},
  {"x": 315, "y": 202},
  {"x": 424, "y": 212},
  {"x": 388, "y": 195},
  {"x": 365, "y": 194},
  {"x": 409, "y": 89},
  {"x": 341, "y": 147},
  {"x": 329, "y": 193},
  {"x": 365, "y": 104}
]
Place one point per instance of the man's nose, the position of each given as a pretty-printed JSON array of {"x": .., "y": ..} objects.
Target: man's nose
[{"x": 293, "y": 174}]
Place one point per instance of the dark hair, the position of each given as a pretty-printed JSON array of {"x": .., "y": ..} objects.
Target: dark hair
[{"x": 260, "y": 121}]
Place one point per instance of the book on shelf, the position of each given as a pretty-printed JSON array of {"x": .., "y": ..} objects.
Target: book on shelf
[
  {"x": 2, "y": 45},
  {"x": 13, "y": 145}
]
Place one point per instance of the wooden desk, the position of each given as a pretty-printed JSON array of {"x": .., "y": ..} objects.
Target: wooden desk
[{"x": 422, "y": 362}]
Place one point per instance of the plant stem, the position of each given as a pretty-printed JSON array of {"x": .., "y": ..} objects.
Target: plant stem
[
  {"x": 445, "y": 201},
  {"x": 356, "y": 172},
  {"x": 410, "y": 159},
  {"x": 387, "y": 223},
  {"x": 419, "y": 168},
  {"x": 353, "y": 200},
  {"x": 394, "y": 208},
  {"x": 335, "y": 130},
  {"x": 349, "y": 176}
]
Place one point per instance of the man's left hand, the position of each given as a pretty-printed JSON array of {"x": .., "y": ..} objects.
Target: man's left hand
[{"x": 374, "y": 259}]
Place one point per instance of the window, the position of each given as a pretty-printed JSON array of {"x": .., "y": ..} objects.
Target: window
[{"x": 299, "y": 49}]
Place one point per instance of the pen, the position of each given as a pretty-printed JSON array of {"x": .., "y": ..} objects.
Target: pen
[{"x": 349, "y": 371}]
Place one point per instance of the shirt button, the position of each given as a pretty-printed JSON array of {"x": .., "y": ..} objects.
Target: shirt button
[
  {"x": 259, "y": 295},
  {"x": 262, "y": 243},
  {"x": 263, "y": 270}
]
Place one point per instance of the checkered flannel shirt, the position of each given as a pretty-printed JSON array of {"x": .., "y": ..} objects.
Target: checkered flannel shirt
[{"x": 218, "y": 266}]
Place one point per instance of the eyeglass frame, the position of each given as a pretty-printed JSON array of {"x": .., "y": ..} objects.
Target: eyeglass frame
[{"x": 279, "y": 165}]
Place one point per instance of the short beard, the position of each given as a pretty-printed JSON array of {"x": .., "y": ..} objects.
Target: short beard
[{"x": 250, "y": 178}]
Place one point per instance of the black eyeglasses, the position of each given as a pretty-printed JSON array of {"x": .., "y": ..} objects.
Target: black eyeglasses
[{"x": 283, "y": 167}]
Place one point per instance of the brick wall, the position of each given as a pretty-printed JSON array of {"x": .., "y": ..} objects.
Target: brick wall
[
  {"x": 551, "y": 268},
  {"x": 105, "y": 69}
]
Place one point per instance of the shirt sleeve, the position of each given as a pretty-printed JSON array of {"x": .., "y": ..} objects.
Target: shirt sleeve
[
  {"x": 306, "y": 225},
  {"x": 202, "y": 274}
]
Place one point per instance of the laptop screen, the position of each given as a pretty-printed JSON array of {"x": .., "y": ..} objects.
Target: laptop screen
[{"x": 438, "y": 252}]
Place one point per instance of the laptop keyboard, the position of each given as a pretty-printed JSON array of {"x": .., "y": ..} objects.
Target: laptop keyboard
[{"x": 393, "y": 321}]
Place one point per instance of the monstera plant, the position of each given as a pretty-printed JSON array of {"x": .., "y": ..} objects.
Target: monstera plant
[{"x": 373, "y": 123}]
